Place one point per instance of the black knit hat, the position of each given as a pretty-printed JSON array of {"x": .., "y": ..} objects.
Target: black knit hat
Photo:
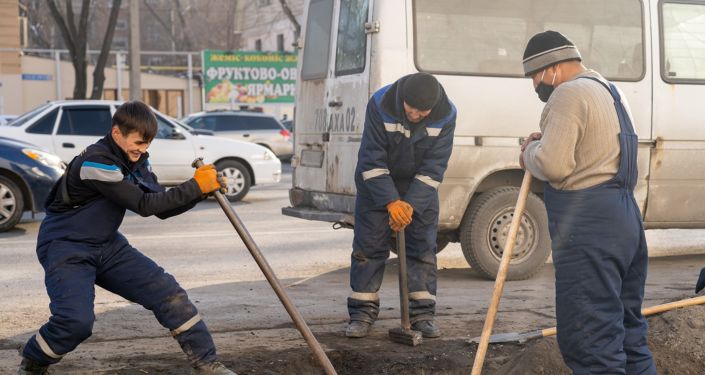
[
  {"x": 546, "y": 49},
  {"x": 420, "y": 90}
]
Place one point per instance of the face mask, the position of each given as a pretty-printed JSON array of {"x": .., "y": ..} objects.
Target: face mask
[{"x": 543, "y": 90}]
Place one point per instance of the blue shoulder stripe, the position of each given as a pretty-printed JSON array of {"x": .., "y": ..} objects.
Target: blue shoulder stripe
[
  {"x": 100, "y": 172},
  {"x": 108, "y": 167}
]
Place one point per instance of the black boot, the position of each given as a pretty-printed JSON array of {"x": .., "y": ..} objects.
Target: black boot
[{"x": 28, "y": 367}]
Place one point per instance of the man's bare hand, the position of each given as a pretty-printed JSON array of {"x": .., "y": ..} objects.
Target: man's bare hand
[{"x": 532, "y": 137}]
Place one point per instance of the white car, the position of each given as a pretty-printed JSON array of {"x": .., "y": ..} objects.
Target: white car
[
  {"x": 6, "y": 119},
  {"x": 67, "y": 127}
]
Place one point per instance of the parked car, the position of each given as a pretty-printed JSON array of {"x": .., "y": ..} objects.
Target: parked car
[
  {"x": 27, "y": 174},
  {"x": 254, "y": 127},
  {"x": 6, "y": 119},
  {"x": 289, "y": 125},
  {"x": 67, "y": 127}
]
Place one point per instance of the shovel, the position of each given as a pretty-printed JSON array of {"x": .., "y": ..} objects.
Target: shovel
[
  {"x": 272, "y": 279},
  {"x": 501, "y": 275},
  {"x": 521, "y": 337}
]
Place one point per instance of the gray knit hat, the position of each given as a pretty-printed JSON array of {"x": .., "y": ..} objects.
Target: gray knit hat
[{"x": 546, "y": 49}]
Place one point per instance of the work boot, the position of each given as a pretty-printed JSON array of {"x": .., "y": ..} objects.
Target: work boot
[
  {"x": 28, "y": 367},
  {"x": 427, "y": 328},
  {"x": 357, "y": 328},
  {"x": 211, "y": 368}
]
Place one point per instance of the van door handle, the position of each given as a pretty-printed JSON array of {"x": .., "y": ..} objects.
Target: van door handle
[
  {"x": 245, "y": 135},
  {"x": 335, "y": 103},
  {"x": 68, "y": 145}
]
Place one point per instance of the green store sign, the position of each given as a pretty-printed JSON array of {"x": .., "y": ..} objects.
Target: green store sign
[{"x": 249, "y": 77}]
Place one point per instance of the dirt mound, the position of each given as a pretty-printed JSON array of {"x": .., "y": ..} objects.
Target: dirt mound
[{"x": 676, "y": 338}]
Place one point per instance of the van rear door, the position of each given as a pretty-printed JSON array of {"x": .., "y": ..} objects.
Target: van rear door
[{"x": 333, "y": 90}]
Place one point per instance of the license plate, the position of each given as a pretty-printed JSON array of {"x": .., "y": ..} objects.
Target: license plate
[{"x": 312, "y": 158}]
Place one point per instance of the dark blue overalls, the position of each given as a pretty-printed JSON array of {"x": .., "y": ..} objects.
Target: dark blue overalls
[
  {"x": 81, "y": 247},
  {"x": 600, "y": 257},
  {"x": 398, "y": 160}
]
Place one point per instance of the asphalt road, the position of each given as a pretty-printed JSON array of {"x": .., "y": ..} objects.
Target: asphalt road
[{"x": 201, "y": 249}]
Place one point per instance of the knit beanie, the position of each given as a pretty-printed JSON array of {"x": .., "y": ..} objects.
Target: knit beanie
[
  {"x": 420, "y": 90},
  {"x": 546, "y": 49}
]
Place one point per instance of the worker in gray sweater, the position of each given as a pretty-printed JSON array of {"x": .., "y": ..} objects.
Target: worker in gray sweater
[{"x": 587, "y": 154}]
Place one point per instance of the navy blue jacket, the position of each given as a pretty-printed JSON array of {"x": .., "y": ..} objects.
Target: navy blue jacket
[
  {"x": 89, "y": 202},
  {"x": 399, "y": 159}
]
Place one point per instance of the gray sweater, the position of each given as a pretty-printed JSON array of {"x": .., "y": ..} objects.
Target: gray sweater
[{"x": 579, "y": 147}]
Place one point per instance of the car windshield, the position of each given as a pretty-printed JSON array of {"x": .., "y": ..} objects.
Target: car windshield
[
  {"x": 29, "y": 115},
  {"x": 180, "y": 123}
]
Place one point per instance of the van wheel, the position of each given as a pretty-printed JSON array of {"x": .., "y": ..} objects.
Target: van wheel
[
  {"x": 237, "y": 178},
  {"x": 485, "y": 227},
  {"x": 441, "y": 243},
  {"x": 11, "y": 204}
]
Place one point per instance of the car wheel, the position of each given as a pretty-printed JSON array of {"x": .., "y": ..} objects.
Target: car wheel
[
  {"x": 11, "y": 204},
  {"x": 485, "y": 227},
  {"x": 237, "y": 178}
]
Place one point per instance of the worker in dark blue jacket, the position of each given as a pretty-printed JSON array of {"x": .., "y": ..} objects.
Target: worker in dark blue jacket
[
  {"x": 406, "y": 144},
  {"x": 79, "y": 245}
]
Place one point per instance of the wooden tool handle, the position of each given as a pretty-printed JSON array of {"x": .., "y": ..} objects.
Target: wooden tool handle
[
  {"x": 501, "y": 275},
  {"x": 298, "y": 319},
  {"x": 650, "y": 310}
]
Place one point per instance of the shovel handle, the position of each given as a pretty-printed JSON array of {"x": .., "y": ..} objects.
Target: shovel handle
[
  {"x": 501, "y": 275},
  {"x": 403, "y": 281},
  {"x": 651, "y": 310},
  {"x": 271, "y": 278}
]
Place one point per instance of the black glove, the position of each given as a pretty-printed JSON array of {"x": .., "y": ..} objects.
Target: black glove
[{"x": 701, "y": 281}]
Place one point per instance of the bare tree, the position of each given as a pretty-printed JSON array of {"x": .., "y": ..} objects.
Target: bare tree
[
  {"x": 181, "y": 41},
  {"x": 76, "y": 39},
  {"x": 99, "y": 71},
  {"x": 290, "y": 15}
]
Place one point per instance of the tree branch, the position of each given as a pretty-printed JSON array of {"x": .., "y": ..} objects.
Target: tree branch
[
  {"x": 58, "y": 18},
  {"x": 99, "y": 72},
  {"x": 290, "y": 15},
  {"x": 161, "y": 22},
  {"x": 184, "y": 27}
]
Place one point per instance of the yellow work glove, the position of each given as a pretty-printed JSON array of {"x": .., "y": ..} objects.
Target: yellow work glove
[
  {"x": 400, "y": 214},
  {"x": 207, "y": 179}
]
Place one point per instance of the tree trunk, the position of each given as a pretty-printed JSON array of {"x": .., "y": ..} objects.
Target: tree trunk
[
  {"x": 99, "y": 71},
  {"x": 75, "y": 39},
  {"x": 80, "y": 71}
]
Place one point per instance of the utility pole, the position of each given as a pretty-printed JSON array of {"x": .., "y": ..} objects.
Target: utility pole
[{"x": 135, "y": 83}]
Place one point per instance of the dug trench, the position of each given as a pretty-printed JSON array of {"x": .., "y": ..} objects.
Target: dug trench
[{"x": 676, "y": 338}]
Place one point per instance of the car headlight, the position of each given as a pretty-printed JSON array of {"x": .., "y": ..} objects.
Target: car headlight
[
  {"x": 51, "y": 161},
  {"x": 269, "y": 155}
]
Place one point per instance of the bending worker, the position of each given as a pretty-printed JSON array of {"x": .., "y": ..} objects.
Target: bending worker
[
  {"x": 587, "y": 154},
  {"x": 406, "y": 144},
  {"x": 79, "y": 245}
]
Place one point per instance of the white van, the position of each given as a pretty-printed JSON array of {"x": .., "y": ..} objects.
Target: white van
[{"x": 654, "y": 51}]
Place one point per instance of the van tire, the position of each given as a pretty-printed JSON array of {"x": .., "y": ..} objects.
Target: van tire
[
  {"x": 237, "y": 177},
  {"x": 13, "y": 204},
  {"x": 490, "y": 214}
]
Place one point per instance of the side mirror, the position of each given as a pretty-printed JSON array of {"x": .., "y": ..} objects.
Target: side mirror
[{"x": 176, "y": 134}]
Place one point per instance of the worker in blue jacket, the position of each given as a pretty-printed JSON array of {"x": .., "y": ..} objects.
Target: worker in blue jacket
[
  {"x": 79, "y": 245},
  {"x": 406, "y": 144}
]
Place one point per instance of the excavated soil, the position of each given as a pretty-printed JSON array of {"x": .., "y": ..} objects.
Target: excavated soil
[{"x": 676, "y": 338}]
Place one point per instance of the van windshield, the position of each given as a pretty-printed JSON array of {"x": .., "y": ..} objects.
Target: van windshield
[{"x": 481, "y": 37}]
